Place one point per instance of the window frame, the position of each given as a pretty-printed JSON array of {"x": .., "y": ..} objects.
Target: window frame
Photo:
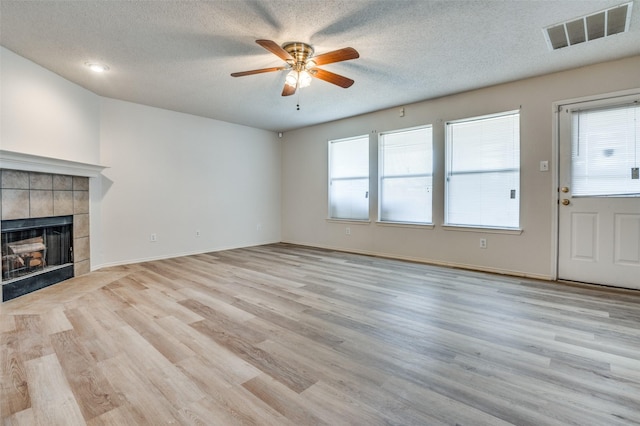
[
  {"x": 330, "y": 143},
  {"x": 447, "y": 174},
  {"x": 381, "y": 176}
]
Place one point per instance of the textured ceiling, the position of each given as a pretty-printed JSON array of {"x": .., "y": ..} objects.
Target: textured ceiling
[{"x": 178, "y": 55}]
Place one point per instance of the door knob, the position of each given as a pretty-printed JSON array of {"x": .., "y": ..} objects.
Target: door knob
[
  {"x": 564, "y": 189},
  {"x": 565, "y": 202}
]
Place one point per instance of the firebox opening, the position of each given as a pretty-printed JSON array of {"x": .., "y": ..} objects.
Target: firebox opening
[{"x": 36, "y": 252}]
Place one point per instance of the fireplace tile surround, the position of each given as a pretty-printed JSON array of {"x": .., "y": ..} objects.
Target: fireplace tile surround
[{"x": 27, "y": 194}]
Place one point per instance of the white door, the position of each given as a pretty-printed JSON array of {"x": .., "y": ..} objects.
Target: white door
[{"x": 599, "y": 192}]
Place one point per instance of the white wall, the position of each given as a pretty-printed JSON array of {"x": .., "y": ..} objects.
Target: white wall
[
  {"x": 174, "y": 174},
  {"x": 43, "y": 114},
  {"x": 169, "y": 173},
  {"x": 304, "y": 175}
]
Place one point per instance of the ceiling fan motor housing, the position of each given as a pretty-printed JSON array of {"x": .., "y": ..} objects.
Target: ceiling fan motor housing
[{"x": 301, "y": 52}]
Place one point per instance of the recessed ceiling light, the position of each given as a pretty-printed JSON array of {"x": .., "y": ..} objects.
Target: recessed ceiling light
[{"x": 97, "y": 67}]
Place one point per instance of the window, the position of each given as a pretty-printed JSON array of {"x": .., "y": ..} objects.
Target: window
[
  {"x": 605, "y": 151},
  {"x": 483, "y": 171},
  {"x": 349, "y": 178},
  {"x": 406, "y": 175}
]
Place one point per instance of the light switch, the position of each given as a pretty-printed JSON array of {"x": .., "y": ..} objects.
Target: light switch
[{"x": 544, "y": 166}]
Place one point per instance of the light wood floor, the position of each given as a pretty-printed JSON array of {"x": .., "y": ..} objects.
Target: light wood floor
[{"x": 287, "y": 335}]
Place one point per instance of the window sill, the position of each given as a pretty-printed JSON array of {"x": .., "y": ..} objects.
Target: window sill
[
  {"x": 486, "y": 230},
  {"x": 406, "y": 225},
  {"x": 356, "y": 221}
]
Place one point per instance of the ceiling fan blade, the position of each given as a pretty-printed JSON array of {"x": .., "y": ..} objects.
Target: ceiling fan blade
[
  {"x": 260, "y": 71},
  {"x": 274, "y": 48},
  {"x": 336, "y": 56},
  {"x": 288, "y": 90},
  {"x": 333, "y": 78}
]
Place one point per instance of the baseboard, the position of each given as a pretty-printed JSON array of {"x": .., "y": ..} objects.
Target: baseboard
[
  {"x": 435, "y": 262},
  {"x": 175, "y": 255}
]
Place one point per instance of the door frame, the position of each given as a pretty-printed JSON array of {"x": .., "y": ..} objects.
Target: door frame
[{"x": 555, "y": 161}]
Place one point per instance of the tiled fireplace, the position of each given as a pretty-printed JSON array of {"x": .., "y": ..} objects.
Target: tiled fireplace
[{"x": 42, "y": 212}]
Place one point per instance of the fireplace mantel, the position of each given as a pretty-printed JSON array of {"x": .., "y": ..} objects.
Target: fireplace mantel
[{"x": 35, "y": 163}]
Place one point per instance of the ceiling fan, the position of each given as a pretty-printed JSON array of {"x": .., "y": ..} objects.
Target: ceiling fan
[{"x": 302, "y": 65}]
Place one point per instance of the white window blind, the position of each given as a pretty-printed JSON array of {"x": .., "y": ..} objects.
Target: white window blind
[
  {"x": 605, "y": 151},
  {"x": 483, "y": 171},
  {"x": 406, "y": 175},
  {"x": 349, "y": 178}
]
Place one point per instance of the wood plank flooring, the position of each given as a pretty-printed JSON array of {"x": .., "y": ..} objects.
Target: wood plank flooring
[{"x": 289, "y": 335}]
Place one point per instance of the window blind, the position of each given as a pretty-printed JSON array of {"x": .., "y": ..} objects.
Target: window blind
[
  {"x": 483, "y": 171},
  {"x": 406, "y": 176},
  {"x": 605, "y": 151},
  {"x": 349, "y": 178}
]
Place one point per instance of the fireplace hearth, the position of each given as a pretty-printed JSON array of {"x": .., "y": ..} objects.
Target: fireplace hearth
[{"x": 36, "y": 253}]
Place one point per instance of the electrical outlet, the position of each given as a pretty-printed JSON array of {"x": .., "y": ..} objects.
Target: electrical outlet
[
  {"x": 198, "y": 233},
  {"x": 259, "y": 227},
  {"x": 483, "y": 243},
  {"x": 153, "y": 238},
  {"x": 347, "y": 231}
]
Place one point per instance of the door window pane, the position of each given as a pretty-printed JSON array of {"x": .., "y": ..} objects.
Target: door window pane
[{"x": 605, "y": 152}]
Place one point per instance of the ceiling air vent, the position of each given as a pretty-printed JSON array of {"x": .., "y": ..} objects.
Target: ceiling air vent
[{"x": 597, "y": 25}]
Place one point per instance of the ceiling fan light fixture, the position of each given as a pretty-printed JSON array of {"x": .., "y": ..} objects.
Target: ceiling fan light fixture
[
  {"x": 298, "y": 79},
  {"x": 292, "y": 78},
  {"x": 304, "y": 79}
]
